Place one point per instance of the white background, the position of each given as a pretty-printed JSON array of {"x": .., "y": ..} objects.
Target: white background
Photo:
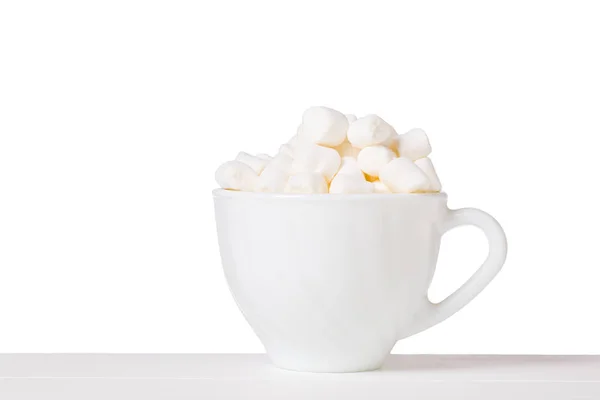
[{"x": 115, "y": 114}]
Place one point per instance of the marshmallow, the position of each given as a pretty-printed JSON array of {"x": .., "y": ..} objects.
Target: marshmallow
[
  {"x": 347, "y": 183},
  {"x": 347, "y": 150},
  {"x": 414, "y": 144},
  {"x": 281, "y": 161},
  {"x": 306, "y": 182},
  {"x": 427, "y": 166},
  {"x": 371, "y": 159},
  {"x": 401, "y": 175},
  {"x": 369, "y": 131},
  {"x": 350, "y": 179},
  {"x": 254, "y": 162},
  {"x": 393, "y": 143},
  {"x": 350, "y": 117},
  {"x": 275, "y": 175},
  {"x": 290, "y": 147},
  {"x": 324, "y": 126},
  {"x": 379, "y": 187},
  {"x": 236, "y": 175},
  {"x": 349, "y": 166},
  {"x": 295, "y": 140},
  {"x": 286, "y": 149},
  {"x": 272, "y": 180},
  {"x": 312, "y": 158},
  {"x": 264, "y": 156},
  {"x": 337, "y": 153}
]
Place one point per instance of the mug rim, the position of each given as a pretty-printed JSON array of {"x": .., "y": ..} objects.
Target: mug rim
[{"x": 225, "y": 193}]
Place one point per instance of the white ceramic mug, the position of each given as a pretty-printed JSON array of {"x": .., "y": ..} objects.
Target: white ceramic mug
[{"x": 330, "y": 283}]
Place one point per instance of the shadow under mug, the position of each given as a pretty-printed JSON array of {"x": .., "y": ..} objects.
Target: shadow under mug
[{"x": 329, "y": 283}]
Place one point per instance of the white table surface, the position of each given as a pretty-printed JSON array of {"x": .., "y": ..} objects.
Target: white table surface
[{"x": 249, "y": 376}]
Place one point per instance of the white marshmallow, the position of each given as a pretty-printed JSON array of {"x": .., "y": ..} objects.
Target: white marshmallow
[
  {"x": 286, "y": 149},
  {"x": 349, "y": 166},
  {"x": 346, "y": 183},
  {"x": 379, "y": 187},
  {"x": 414, "y": 144},
  {"x": 281, "y": 161},
  {"x": 369, "y": 130},
  {"x": 272, "y": 180},
  {"x": 371, "y": 159},
  {"x": 401, "y": 175},
  {"x": 427, "y": 166},
  {"x": 254, "y": 162},
  {"x": 350, "y": 117},
  {"x": 264, "y": 156},
  {"x": 324, "y": 126},
  {"x": 393, "y": 143},
  {"x": 350, "y": 179},
  {"x": 319, "y": 159},
  {"x": 295, "y": 140},
  {"x": 306, "y": 182},
  {"x": 275, "y": 175},
  {"x": 236, "y": 175},
  {"x": 347, "y": 150}
]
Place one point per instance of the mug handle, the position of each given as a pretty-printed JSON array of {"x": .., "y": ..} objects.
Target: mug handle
[{"x": 434, "y": 313}]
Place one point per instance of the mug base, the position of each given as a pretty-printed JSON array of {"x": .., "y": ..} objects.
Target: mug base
[{"x": 325, "y": 367}]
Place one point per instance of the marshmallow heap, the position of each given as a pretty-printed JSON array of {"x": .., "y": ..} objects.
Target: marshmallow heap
[{"x": 336, "y": 153}]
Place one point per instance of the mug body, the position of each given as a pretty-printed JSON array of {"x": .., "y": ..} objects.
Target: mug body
[{"x": 329, "y": 283}]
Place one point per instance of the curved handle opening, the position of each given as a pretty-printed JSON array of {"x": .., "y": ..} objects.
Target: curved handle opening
[{"x": 434, "y": 313}]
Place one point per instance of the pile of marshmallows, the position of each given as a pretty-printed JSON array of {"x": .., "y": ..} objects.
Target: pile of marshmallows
[{"x": 336, "y": 153}]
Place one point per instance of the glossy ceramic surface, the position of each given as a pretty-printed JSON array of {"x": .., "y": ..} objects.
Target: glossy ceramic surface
[{"x": 330, "y": 283}]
